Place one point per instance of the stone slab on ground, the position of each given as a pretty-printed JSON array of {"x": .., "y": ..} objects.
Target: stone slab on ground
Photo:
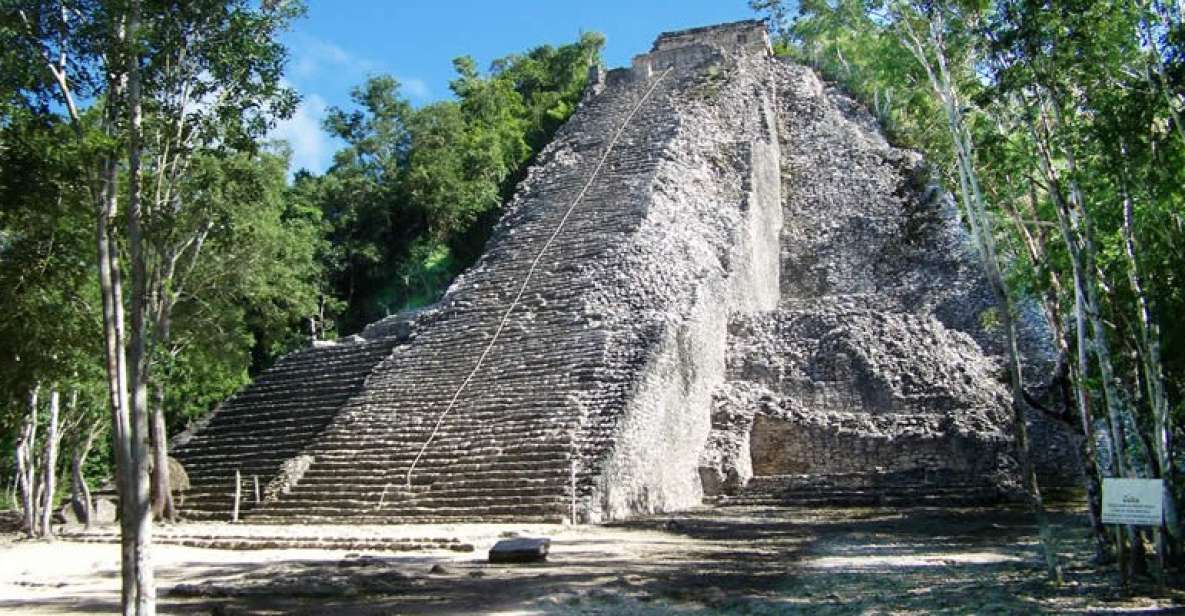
[{"x": 520, "y": 550}]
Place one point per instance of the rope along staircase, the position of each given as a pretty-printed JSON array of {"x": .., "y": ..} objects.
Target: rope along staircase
[{"x": 398, "y": 450}]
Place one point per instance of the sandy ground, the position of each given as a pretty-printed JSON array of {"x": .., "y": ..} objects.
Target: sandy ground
[{"x": 715, "y": 561}]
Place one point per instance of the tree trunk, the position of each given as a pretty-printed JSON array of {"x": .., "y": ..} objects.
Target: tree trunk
[
  {"x": 162, "y": 495},
  {"x": 1153, "y": 368},
  {"x": 138, "y": 353},
  {"x": 110, "y": 285},
  {"x": 1075, "y": 225},
  {"x": 975, "y": 208},
  {"x": 1092, "y": 468},
  {"x": 1038, "y": 253},
  {"x": 111, "y": 290},
  {"x": 83, "y": 505},
  {"x": 22, "y": 478},
  {"x": 50, "y": 464},
  {"x": 26, "y": 465}
]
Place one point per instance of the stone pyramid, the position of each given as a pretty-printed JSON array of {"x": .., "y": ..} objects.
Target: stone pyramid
[{"x": 718, "y": 282}]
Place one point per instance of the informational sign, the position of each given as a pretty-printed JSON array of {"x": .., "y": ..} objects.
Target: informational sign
[{"x": 1133, "y": 501}]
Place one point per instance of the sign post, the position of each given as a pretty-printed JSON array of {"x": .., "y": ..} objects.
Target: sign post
[
  {"x": 1133, "y": 502},
  {"x": 1137, "y": 502}
]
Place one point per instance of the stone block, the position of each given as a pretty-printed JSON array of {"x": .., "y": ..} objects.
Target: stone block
[
  {"x": 105, "y": 513},
  {"x": 520, "y": 550}
]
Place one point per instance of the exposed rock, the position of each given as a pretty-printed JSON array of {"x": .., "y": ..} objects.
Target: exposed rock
[
  {"x": 288, "y": 477},
  {"x": 520, "y": 550},
  {"x": 104, "y": 513}
]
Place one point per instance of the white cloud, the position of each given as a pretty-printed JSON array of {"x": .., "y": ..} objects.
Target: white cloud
[
  {"x": 319, "y": 67},
  {"x": 310, "y": 145},
  {"x": 313, "y": 56},
  {"x": 415, "y": 88}
]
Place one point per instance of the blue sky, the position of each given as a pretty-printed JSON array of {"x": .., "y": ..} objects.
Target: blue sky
[{"x": 341, "y": 42}]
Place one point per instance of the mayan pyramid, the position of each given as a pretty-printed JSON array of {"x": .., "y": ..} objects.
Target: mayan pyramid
[{"x": 719, "y": 282}]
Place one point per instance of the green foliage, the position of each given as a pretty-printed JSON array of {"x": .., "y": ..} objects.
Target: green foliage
[
  {"x": 232, "y": 263},
  {"x": 246, "y": 301},
  {"x": 51, "y": 330},
  {"x": 410, "y": 200},
  {"x": 989, "y": 320}
]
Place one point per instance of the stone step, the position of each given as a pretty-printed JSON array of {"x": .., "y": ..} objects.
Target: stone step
[
  {"x": 235, "y": 439},
  {"x": 518, "y": 518},
  {"x": 488, "y": 479},
  {"x": 474, "y": 508},
  {"x": 885, "y": 496},
  {"x": 426, "y": 474},
  {"x": 449, "y": 434},
  {"x": 265, "y": 445},
  {"x": 285, "y": 542},
  {"x": 394, "y": 491},
  {"x": 445, "y": 456},
  {"x": 224, "y": 498},
  {"x": 273, "y": 416}
]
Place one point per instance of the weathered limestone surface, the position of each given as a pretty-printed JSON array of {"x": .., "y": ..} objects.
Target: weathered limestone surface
[
  {"x": 753, "y": 283},
  {"x": 878, "y": 369}
]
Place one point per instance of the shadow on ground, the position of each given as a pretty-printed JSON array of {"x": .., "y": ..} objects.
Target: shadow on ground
[{"x": 722, "y": 561}]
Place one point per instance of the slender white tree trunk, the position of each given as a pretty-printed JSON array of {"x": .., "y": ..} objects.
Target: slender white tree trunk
[
  {"x": 1076, "y": 229},
  {"x": 22, "y": 480},
  {"x": 116, "y": 59},
  {"x": 1093, "y": 470},
  {"x": 1153, "y": 367},
  {"x": 975, "y": 209},
  {"x": 110, "y": 285},
  {"x": 111, "y": 290},
  {"x": 162, "y": 497},
  {"x": 83, "y": 504},
  {"x": 138, "y": 354},
  {"x": 50, "y": 464},
  {"x": 26, "y": 465}
]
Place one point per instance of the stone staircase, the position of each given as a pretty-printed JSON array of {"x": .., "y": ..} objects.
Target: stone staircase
[
  {"x": 508, "y": 449},
  {"x": 268, "y": 423}
]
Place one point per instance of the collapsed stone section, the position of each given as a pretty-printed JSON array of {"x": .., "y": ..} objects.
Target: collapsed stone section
[
  {"x": 880, "y": 369},
  {"x": 830, "y": 389}
]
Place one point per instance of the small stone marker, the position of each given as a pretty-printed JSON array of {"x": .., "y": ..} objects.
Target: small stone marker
[
  {"x": 1133, "y": 501},
  {"x": 520, "y": 550}
]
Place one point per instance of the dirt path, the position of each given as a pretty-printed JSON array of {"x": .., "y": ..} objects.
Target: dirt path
[{"x": 725, "y": 561}]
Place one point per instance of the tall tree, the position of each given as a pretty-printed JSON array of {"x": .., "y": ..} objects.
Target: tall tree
[{"x": 210, "y": 71}]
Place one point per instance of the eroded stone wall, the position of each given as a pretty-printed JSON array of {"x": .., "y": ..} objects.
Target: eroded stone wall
[
  {"x": 880, "y": 358},
  {"x": 712, "y": 233}
]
